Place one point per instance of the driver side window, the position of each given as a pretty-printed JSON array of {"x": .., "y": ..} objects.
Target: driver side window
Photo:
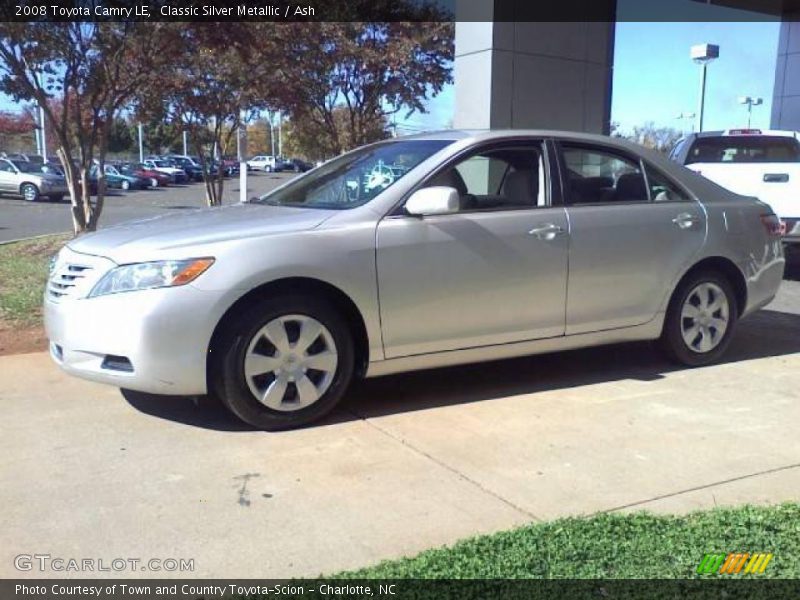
[{"x": 497, "y": 179}]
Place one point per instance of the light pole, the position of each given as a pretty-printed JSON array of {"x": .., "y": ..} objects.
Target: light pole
[
  {"x": 750, "y": 102},
  {"x": 690, "y": 116},
  {"x": 141, "y": 142},
  {"x": 702, "y": 54}
]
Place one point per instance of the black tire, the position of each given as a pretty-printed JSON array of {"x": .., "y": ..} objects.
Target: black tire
[
  {"x": 29, "y": 192},
  {"x": 227, "y": 369},
  {"x": 672, "y": 342},
  {"x": 268, "y": 169},
  {"x": 56, "y": 197}
]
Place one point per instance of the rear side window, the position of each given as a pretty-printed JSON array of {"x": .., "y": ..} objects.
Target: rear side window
[
  {"x": 597, "y": 176},
  {"x": 744, "y": 149}
]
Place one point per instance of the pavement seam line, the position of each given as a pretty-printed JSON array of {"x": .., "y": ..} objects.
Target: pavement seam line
[
  {"x": 444, "y": 465},
  {"x": 701, "y": 487}
]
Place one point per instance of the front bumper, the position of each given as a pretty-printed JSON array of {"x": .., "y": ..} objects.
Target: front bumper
[{"x": 152, "y": 341}]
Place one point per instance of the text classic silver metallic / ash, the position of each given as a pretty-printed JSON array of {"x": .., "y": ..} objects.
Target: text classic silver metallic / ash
[{"x": 414, "y": 253}]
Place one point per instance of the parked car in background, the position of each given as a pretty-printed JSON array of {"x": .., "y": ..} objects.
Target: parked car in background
[
  {"x": 155, "y": 178},
  {"x": 229, "y": 167},
  {"x": 751, "y": 162},
  {"x": 192, "y": 169},
  {"x": 33, "y": 158},
  {"x": 161, "y": 165},
  {"x": 116, "y": 179},
  {"x": 262, "y": 162},
  {"x": 297, "y": 165},
  {"x": 483, "y": 245},
  {"x": 26, "y": 179}
]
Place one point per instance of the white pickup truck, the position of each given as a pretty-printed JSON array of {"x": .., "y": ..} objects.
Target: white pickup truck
[{"x": 751, "y": 162}]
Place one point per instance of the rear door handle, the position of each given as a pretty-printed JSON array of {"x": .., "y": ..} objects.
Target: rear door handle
[
  {"x": 685, "y": 220},
  {"x": 776, "y": 178},
  {"x": 547, "y": 231}
]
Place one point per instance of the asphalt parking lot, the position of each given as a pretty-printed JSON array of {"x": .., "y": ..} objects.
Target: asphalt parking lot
[
  {"x": 407, "y": 463},
  {"x": 20, "y": 219}
]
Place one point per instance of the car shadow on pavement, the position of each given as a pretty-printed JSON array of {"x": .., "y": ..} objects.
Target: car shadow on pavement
[{"x": 764, "y": 334}]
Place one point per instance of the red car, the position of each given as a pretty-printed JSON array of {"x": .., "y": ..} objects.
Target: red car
[{"x": 156, "y": 178}]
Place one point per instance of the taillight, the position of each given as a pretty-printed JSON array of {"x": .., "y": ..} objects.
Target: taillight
[{"x": 773, "y": 225}]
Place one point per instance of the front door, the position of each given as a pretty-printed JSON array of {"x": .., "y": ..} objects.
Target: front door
[{"x": 495, "y": 272}]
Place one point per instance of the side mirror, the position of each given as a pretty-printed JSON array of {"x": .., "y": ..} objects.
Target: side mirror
[{"x": 438, "y": 200}]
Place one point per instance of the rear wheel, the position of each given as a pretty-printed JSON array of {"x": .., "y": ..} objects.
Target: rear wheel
[
  {"x": 56, "y": 197},
  {"x": 29, "y": 192},
  {"x": 125, "y": 185},
  {"x": 287, "y": 362},
  {"x": 700, "y": 320}
]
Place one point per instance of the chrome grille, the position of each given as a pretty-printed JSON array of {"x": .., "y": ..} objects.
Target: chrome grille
[
  {"x": 75, "y": 274},
  {"x": 66, "y": 278}
]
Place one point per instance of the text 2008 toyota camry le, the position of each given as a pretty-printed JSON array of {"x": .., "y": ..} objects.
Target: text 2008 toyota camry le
[{"x": 408, "y": 254}]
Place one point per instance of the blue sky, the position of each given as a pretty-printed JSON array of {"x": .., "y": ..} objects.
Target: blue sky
[{"x": 655, "y": 80}]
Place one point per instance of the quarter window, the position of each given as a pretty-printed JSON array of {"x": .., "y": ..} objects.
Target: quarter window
[
  {"x": 662, "y": 189},
  {"x": 595, "y": 176}
]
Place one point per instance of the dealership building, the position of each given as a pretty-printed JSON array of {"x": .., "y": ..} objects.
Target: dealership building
[{"x": 514, "y": 70}]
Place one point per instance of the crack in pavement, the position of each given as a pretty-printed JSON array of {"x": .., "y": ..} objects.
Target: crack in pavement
[
  {"x": 701, "y": 487},
  {"x": 444, "y": 465}
]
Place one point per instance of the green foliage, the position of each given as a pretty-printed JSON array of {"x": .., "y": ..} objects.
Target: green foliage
[
  {"x": 621, "y": 546},
  {"x": 23, "y": 275}
]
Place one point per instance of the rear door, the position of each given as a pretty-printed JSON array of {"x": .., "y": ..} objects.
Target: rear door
[{"x": 632, "y": 231}]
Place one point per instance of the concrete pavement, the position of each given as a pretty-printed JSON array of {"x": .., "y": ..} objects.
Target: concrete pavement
[{"x": 409, "y": 462}]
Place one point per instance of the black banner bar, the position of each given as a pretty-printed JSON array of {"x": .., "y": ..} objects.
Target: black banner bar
[
  {"x": 398, "y": 10},
  {"x": 717, "y": 587}
]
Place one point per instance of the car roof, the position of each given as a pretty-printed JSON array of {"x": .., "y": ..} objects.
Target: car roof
[{"x": 745, "y": 132}]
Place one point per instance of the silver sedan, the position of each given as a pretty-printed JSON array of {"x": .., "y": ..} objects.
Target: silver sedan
[{"x": 414, "y": 253}]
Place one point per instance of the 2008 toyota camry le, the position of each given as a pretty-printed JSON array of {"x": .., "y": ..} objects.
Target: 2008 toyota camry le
[{"x": 413, "y": 253}]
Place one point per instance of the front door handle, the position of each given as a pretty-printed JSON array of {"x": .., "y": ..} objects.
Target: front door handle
[
  {"x": 685, "y": 220},
  {"x": 547, "y": 231}
]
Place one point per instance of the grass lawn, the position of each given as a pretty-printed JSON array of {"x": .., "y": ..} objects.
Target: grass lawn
[
  {"x": 23, "y": 274},
  {"x": 622, "y": 546}
]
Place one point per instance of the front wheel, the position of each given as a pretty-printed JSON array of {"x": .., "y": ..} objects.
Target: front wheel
[
  {"x": 153, "y": 182},
  {"x": 268, "y": 169},
  {"x": 29, "y": 192},
  {"x": 287, "y": 362},
  {"x": 700, "y": 320}
]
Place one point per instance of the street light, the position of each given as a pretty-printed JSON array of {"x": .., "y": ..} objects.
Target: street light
[
  {"x": 750, "y": 102},
  {"x": 686, "y": 115},
  {"x": 702, "y": 54}
]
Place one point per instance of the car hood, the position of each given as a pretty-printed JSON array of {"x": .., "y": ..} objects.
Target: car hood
[{"x": 177, "y": 235}]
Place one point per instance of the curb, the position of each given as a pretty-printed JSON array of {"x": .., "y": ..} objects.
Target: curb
[{"x": 33, "y": 237}]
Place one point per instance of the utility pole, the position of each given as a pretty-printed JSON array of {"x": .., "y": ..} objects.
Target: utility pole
[
  {"x": 241, "y": 150},
  {"x": 141, "y": 142},
  {"x": 185, "y": 144},
  {"x": 280, "y": 141}
]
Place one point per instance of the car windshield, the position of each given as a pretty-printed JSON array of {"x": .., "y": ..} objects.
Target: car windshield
[
  {"x": 744, "y": 149},
  {"x": 161, "y": 163},
  {"x": 357, "y": 177}
]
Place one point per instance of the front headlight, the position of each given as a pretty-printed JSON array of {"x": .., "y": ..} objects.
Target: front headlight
[{"x": 144, "y": 276}]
